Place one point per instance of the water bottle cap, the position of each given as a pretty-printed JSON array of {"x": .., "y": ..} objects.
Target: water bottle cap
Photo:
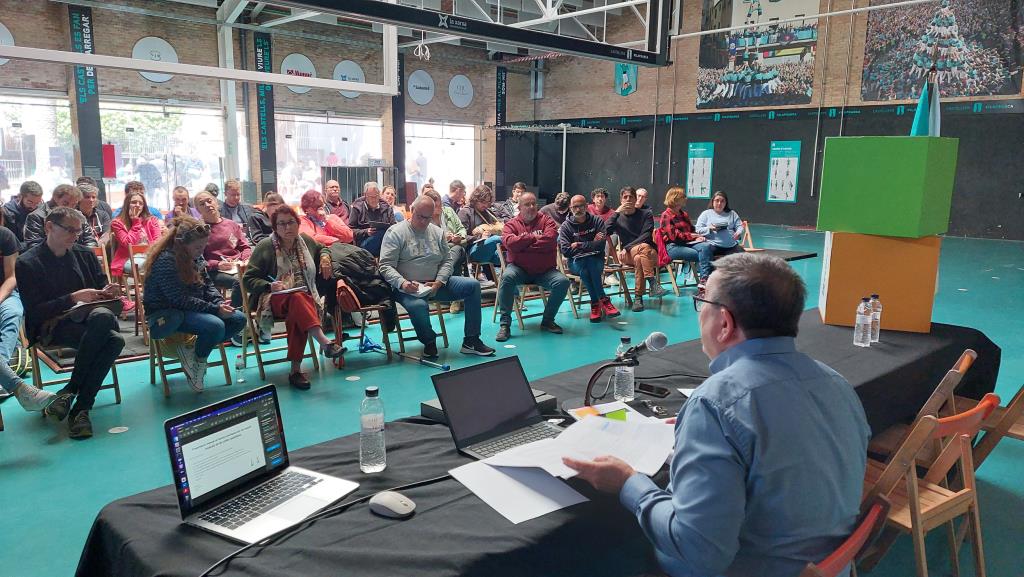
[
  {"x": 372, "y": 391},
  {"x": 874, "y": 295},
  {"x": 625, "y": 340}
]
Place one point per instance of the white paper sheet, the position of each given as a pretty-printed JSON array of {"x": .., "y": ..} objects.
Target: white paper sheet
[
  {"x": 518, "y": 494},
  {"x": 687, "y": 392}
]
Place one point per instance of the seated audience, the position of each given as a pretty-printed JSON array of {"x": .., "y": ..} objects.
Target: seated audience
[
  {"x": 599, "y": 204},
  {"x": 681, "y": 240},
  {"x": 212, "y": 188},
  {"x": 287, "y": 260},
  {"x": 721, "y": 226},
  {"x": 322, "y": 227},
  {"x": 636, "y": 245},
  {"x": 53, "y": 276},
  {"x": 225, "y": 248},
  {"x": 64, "y": 195},
  {"x": 484, "y": 229},
  {"x": 559, "y": 209},
  {"x": 641, "y": 199},
  {"x": 182, "y": 205},
  {"x": 335, "y": 204},
  {"x": 134, "y": 224},
  {"x": 102, "y": 204},
  {"x": 11, "y": 315},
  {"x": 369, "y": 218},
  {"x": 180, "y": 297},
  {"x": 426, "y": 187},
  {"x": 414, "y": 255},
  {"x": 770, "y": 452},
  {"x": 96, "y": 218},
  {"x": 531, "y": 242},
  {"x": 456, "y": 197},
  {"x": 390, "y": 196},
  {"x": 16, "y": 210},
  {"x": 582, "y": 238},
  {"x": 136, "y": 186},
  {"x": 233, "y": 208},
  {"x": 454, "y": 235},
  {"x": 358, "y": 268},
  {"x": 259, "y": 221},
  {"x": 509, "y": 208}
]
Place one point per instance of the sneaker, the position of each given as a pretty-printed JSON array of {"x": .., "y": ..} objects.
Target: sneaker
[
  {"x": 504, "y": 333},
  {"x": 199, "y": 381},
  {"x": 264, "y": 338},
  {"x": 33, "y": 399},
  {"x": 611, "y": 280},
  {"x": 609, "y": 309},
  {"x": 658, "y": 291},
  {"x": 430, "y": 350},
  {"x": 551, "y": 327},
  {"x": 299, "y": 381},
  {"x": 127, "y": 305},
  {"x": 485, "y": 283},
  {"x": 81, "y": 426},
  {"x": 455, "y": 307},
  {"x": 638, "y": 304},
  {"x": 333, "y": 350},
  {"x": 60, "y": 406},
  {"x": 474, "y": 346},
  {"x": 189, "y": 362},
  {"x": 237, "y": 340},
  {"x": 595, "y": 312}
]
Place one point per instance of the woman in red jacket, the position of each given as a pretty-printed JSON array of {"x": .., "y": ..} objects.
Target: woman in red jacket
[{"x": 681, "y": 239}]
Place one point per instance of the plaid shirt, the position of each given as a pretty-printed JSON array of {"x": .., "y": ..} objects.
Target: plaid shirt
[{"x": 676, "y": 227}]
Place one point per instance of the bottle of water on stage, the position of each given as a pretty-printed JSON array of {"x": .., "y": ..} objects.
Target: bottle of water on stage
[
  {"x": 862, "y": 324},
  {"x": 372, "y": 454},
  {"x": 240, "y": 368},
  {"x": 623, "y": 378},
  {"x": 876, "y": 318}
]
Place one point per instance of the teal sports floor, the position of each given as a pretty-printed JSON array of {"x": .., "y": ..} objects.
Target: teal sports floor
[{"x": 51, "y": 487}]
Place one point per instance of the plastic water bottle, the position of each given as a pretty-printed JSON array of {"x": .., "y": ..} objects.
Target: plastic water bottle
[
  {"x": 372, "y": 454},
  {"x": 876, "y": 318},
  {"x": 862, "y": 324},
  {"x": 623, "y": 379},
  {"x": 239, "y": 368}
]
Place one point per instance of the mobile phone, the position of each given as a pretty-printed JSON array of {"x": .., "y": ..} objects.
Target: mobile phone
[{"x": 653, "y": 390}]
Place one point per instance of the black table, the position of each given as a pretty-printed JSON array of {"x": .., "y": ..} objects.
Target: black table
[{"x": 454, "y": 533}]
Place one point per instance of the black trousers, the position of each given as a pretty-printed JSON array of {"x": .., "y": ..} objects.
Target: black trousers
[
  {"x": 98, "y": 344},
  {"x": 224, "y": 280}
]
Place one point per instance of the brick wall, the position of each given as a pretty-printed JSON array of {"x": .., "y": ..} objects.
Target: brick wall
[{"x": 37, "y": 25}]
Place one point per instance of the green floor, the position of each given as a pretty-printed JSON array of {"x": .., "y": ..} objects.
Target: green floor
[{"x": 52, "y": 487}]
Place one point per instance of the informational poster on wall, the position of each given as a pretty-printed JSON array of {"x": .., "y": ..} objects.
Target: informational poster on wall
[
  {"x": 700, "y": 158},
  {"x": 625, "y": 78},
  {"x": 783, "y": 168}
]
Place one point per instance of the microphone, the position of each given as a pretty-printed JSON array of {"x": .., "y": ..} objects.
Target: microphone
[{"x": 653, "y": 343}]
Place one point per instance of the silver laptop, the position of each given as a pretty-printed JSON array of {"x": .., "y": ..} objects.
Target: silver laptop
[
  {"x": 490, "y": 408},
  {"x": 231, "y": 471}
]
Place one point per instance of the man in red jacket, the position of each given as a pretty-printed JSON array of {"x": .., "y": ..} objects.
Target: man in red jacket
[{"x": 530, "y": 241}]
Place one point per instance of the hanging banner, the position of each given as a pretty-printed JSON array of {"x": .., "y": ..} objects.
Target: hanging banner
[
  {"x": 87, "y": 95},
  {"x": 783, "y": 168},
  {"x": 265, "y": 114},
  {"x": 500, "y": 88},
  {"x": 700, "y": 159},
  {"x": 625, "y": 78},
  {"x": 398, "y": 133}
]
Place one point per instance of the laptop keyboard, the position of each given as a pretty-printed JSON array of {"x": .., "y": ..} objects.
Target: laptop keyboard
[
  {"x": 530, "y": 434},
  {"x": 251, "y": 504}
]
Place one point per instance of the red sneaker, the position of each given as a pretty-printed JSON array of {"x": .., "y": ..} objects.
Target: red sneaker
[
  {"x": 609, "y": 309},
  {"x": 127, "y": 305},
  {"x": 595, "y": 312}
]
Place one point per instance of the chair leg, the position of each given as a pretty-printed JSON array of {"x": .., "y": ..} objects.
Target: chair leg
[
  {"x": 672, "y": 270},
  {"x": 954, "y": 548},
  {"x": 440, "y": 319},
  {"x": 256, "y": 348},
  {"x": 880, "y": 548},
  {"x": 312, "y": 352},
  {"x": 625, "y": 289},
  {"x": 916, "y": 529},
  {"x": 387, "y": 342},
  {"x": 153, "y": 356},
  {"x": 117, "y": 384},
  {"x": 160, "y": 363},
  {"x": 224, "y": 364},
  {"x": 974, "y": 519}
]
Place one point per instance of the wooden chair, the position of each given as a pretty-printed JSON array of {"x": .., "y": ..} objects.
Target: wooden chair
[
  {"x": 364, "y": 311},
  {"x": 927, "y": 502},
  {"x": 253, "y": 326},
  {"x": 435, "y": 309},
  {"x": 524, "y": 295},
  {"x": 681, "y": 267},
  {"x": 747, "y": 242},
  {"x": 39, "y": 383},
  {"x": 1005, "y": 421},
  {"x": 870, "y": 524},
  {"x": 615, "y": 268},
  {"x": 101, "y": 255},
  {"x": 138, "y": 286},
  {"x": 162, "y": 356}
]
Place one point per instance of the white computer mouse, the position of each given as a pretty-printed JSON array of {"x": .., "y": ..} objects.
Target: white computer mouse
[{"x": 392, "y": 505}]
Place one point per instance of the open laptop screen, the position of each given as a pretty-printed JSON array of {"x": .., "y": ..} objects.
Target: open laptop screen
[
  {"x": 224, "y": 446},
  {"x": 486, "y": 400}
]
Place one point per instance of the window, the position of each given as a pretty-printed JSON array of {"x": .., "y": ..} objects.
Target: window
[
  {"x": 35, "y": 143},
  {"x": 442, "y": 152},
  {"x": 306, "y": 143}
]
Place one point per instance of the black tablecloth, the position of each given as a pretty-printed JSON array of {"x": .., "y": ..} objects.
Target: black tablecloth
[
  {"x": 454, "y": 533},
  {"x": 893, "y": 378}
]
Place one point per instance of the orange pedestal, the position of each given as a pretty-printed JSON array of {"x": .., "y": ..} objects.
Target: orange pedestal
[{"x": 901, "y": 270}]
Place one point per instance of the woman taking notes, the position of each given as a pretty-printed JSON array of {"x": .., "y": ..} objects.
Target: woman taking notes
[{"x": 721, "y": 226}]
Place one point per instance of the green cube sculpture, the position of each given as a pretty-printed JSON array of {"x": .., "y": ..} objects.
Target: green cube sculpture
[{"x": 887, "y": 185}]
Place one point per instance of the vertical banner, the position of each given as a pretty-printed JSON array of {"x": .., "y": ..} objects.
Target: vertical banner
[
  {"x": 265, "y": 115},
  {"x": 501, "y": 92},
  {"x": 783, "y": 168},
  {"x": 625, "y": 78},
  {"x": 700, "y": 160},
  {"x": 398, "y": 135},
  {"x": 87, "y": 96}
]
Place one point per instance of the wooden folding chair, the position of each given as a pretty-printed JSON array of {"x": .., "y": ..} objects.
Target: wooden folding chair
[
  {"x": 162, "y": 356},
  {"x": 364, "y": 311},
  {"x": 927, "y": 502},
  {"x": 524, "y": 295},
  {"x": 747, "y": 242},
  {"x": 1005, "y": 421},
  {"x": 39, "y": 383},
  {"x": 576, "y": 287},
  {"x": 615, "y": 268},
  {"x": 684, "y": 268},
  {"x": 870, "y": 524},
  {"x": 101, "y": 255},
  {"x": 435, "y": 309},
  {"x": 138, "y": 286},
  {"x": 254, "y": 332}
]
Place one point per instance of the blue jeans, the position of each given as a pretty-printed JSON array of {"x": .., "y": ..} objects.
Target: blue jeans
[
  {"x": 11, "y": 313},
  {"x": 701, "y": 253},
  {"x": 486, "y": 250},
  {"x": 210, "y": 330},
  {"x": 590, "y": 269},
  {"x": 372, "y": 243},
  {"x": 140, "y": 259},
  {"x": 459, "y": 288},
  {"x": 552, "y": 280}
]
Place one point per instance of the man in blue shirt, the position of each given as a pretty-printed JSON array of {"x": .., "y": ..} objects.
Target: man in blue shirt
[{"x": 770, "y": 450}]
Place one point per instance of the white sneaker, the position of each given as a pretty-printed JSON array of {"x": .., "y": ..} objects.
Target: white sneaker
[
  {"x": 190, "y": 366},
  {"x": 200, "y": 380},
  {"x": 485, "y": 283},
  {"x": 31, "y": 398},
  {"x": 611, "y": 280}
]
